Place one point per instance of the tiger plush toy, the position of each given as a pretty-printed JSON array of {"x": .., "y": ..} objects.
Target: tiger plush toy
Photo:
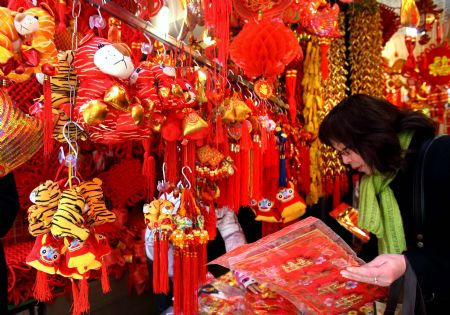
[
  {"x": 104, "y": 107},
  {"x": 36, "y": 27},
  {"x": 96, "y": 213},
  {"x": 45, "y": 198},
  {"x": 68, "y": 219}
]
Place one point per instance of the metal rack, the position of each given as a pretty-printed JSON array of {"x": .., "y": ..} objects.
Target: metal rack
[{"x": 147, "y": 28}]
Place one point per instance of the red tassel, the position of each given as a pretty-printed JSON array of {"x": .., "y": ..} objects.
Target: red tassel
[
  {"x": 202, "y": 260},
  {"x": 61, "y": 15},
  {"x": 194, "y": 281},
  {"x": 212, "y": 222},
  {"x": 291, "y": 81},
  {"x": 48, "y": 118},
  {"x": 75, "y": 295},
  {"x": 171, "y": 159},
  {"x": 219, "y": 130},
  {"x": 84, "y": 296},
  {"x": 186, "y": 281},
  {"x": 256, "y": 172},
  {"x": 324, "y": 46},
  {"x": 148, "y": 169},
  {"x": 164, "y": 265},
  {"x": 156, "y": 264},
  {"x": 106, "y": 287},
  {"x": 177, "y": 284},
  {"x": 236, "y": 187},
  {"x": 42, "y": 292}
]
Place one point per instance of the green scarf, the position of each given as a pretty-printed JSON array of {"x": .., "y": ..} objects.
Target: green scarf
[{"x": 379, "y": 211}]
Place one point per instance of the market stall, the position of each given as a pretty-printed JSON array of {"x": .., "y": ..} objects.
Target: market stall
[{"x": 121, "y": 118}]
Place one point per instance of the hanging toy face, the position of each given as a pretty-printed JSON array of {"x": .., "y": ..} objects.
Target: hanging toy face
[
  {"x": 46, "y": 253},
  {"x": 290, "y": 204},
  {"x": 26, "y": 24},
  {"x": 115, "y": 60},
  {"x": 265, "y": 210}
]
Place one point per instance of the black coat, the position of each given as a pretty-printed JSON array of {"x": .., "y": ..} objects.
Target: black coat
[
  {"x": 9, "y": 205},
  {"x": 430, "y": 255}
]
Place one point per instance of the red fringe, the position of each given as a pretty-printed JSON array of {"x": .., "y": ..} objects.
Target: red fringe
[
  {"x": 75, "y": 295},
  {"x": 212, "y": 222},
  {"x": 61, "y": 15},
  {"x": 219, "y": 130},
  {"x": 164, "y": 265},
  {"x": 236, "y": 197},
  {"x": 106, "y": 287},
  {"x": 194, "y": 281},
  {"x": 156, "y": 265},
  {"x": 324, "y": 60},
  {"x": 83, "y": 300},
  {"x": 148, "y": 169},
  {"x": 42, "y": 292},
  {"x": 336, "y": 191},
  {"x": 171, "y": 159},
  {"x": 291, "y": 81},
  {"x": 202, "y": 260},
  {"x": 48, "y": 118},
  {"x": 187, "y": 283},
  {"x": 177, "y": 284},
  {"x": 256, "y": 172}
]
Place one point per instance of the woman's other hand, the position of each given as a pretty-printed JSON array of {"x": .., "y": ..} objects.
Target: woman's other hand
[{"x": 383, "y": 270}]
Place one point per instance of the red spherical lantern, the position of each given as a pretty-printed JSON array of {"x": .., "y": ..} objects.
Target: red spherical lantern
[{"x": 264, "y": 48}]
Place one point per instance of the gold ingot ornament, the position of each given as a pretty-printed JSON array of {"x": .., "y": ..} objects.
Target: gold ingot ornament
[
  {"x": 117, "y": 97},
  {"x": 137, "y": 113},
  {"x": 94, "y": 112}
]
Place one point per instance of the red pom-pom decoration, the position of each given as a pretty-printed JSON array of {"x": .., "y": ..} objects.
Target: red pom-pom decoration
[{"x": 264, "y": 48}]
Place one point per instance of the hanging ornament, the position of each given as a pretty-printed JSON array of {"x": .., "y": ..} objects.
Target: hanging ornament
[
  {"x": 263, "y": 89},
  {"x": 409, "y": 14},
  {"x": 264, "y": 48},
  {"x": 434, "y": 64}
]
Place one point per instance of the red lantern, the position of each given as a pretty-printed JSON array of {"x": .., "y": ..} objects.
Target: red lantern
[{"x": 264, "y": 48}]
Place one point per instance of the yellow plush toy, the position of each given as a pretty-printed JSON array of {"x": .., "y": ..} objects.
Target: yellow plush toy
[
  {"x": 96, "y": 213},
  {"x": 45, "y": 198},
  {"x": 151, "y": 213},
  {"x": 68, "y": 219},
  {"x": 36, "y": 26}
]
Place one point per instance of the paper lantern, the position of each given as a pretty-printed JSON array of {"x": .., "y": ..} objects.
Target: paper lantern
[{"x": 264, "y": 48}]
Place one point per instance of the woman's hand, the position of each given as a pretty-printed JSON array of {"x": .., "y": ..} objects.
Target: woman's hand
[{"x": 383, "y": 270}]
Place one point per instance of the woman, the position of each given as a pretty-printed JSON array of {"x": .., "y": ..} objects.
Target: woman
[
  {"x": 9, "y": 205},
  {"x": 384, "y": 143}
]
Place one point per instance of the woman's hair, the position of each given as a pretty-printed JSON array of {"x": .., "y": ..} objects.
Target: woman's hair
[{"x": 370, "y": 127}]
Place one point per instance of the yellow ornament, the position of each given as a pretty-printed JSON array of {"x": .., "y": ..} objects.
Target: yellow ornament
[
  {"x": 137, "y": 113},
  {"x": 94, "y": 112},
  {"x": 192, "y": 123},
  {"x": 117, "y": 97}
]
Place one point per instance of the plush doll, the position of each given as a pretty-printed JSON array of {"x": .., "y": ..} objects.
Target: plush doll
[
  {"x": 9, "y": 41},
  {"x": 46, "y": 253},
  {"x": 289, "y": 203},
  {"x": 165, "y": 220},
  {"x": 104, "y": 106},
  {"x": 68, "y": 219},
  {"x": 96, "y": 213},
  {"x": 45, "y": 200},
  {"x": 265, "y": 210},
  {"x": 151, "y": 213},
  {"x": 36, "y": 27}
]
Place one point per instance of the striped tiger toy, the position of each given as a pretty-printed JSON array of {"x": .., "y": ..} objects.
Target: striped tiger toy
[
  {"x": 66, "y": 77},
  {"x": 37, "y": 25},
  {"x": 97, "y": 213},
  {"x": 45, "y": 198},
  {"x": 68, "y": 219}
]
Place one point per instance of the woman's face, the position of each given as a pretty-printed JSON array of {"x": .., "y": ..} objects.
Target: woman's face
[{"x": 352, "y": 158}]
